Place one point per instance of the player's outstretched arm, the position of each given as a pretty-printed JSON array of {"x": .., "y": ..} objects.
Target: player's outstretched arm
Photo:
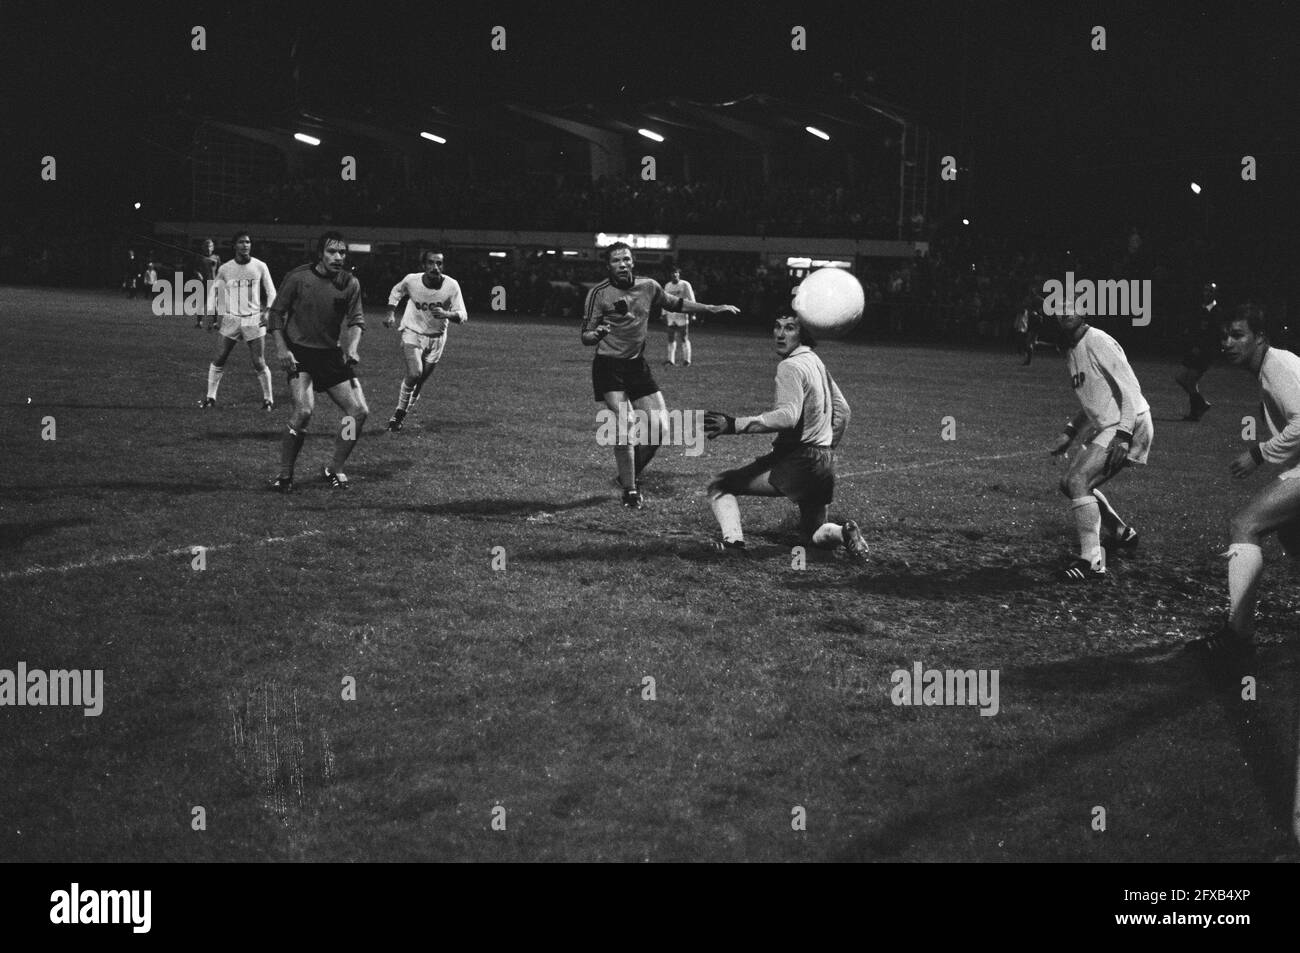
[{"x": 699, "y": 307}]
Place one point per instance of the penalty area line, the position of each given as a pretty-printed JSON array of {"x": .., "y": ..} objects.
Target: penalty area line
[{"x": 137, "y": 557}]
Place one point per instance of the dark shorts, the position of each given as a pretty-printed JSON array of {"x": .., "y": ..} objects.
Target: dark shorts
[
  {"x": 805, "y": 475},
  {"x": 632, "y": 376},
  {"x": 325, "y": 366}
]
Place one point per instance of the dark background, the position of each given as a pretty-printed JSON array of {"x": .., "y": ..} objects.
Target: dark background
[{"x": 1057, "y": 142}]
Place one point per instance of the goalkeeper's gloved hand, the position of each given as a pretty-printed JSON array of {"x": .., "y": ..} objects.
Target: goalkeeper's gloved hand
[{"x": 718, "y": 424}]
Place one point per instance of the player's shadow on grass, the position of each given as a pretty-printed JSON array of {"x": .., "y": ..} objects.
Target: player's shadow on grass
[
  {"x": 916, "y": 584},
  {"x": 187, "y": 487},
  {"x": 265, "y": 435},
  {"x": 1177, "y": 685},
  {"x": 16, "y": 535}
]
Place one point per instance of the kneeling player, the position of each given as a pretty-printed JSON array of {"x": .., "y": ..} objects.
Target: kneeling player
[
  {"x": 244, "y": 292},
  {"x": 433, "y": 299},
  {"x": 1276, "y": 508},
  {"x": 809, "y": 419},
  {"x": 1116, "y": 421}
]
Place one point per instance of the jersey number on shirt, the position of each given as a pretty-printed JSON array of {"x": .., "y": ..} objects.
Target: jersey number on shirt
[{"x": 1077, "y": 380}]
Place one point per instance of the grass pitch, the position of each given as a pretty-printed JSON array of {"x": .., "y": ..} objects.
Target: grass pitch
[{"x": 516, "y": 695}]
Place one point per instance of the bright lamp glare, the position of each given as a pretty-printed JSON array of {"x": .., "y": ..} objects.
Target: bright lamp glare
[
  {"x": 1196, "y": 189},
  {"x": 965, "y": 221},
  {"x": 303, "y": 137},
  {"x": 432, "y": 138},
  {"x": 653, "y": 136},
  {"x": 137, "y": 205},
  {"x": 813, "y": 130}
]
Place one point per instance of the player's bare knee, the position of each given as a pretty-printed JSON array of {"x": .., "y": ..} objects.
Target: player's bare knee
[{"x": 1244, "y": 528}]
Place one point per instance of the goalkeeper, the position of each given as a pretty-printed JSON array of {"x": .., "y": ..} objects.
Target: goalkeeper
[{"x": 809, "y": 419}]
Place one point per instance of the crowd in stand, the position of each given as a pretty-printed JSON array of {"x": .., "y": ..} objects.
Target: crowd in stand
[{"x": 545, "y": 203}]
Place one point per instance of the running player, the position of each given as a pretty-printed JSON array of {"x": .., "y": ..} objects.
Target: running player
[
  {"x": 1276, "y": 507},
  {"x": 1201, "y": 351},
  {"x": 1115, "y": 428},
  {"x": 208, "y": 263},
  {"x": 617, "y": 314},
  {"x": 433, "y": 299},
  {"x": 317, "y": 303},
  {"x": 809, "y": 418},
  {"x": 679, "y": 324},
  {"x": 244, "y": 292}
]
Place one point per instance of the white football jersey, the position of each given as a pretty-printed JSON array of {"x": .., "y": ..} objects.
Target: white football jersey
[
  {"x": 420, "y": 299},
  {"x": 245, "y": 291},
  {"x": 1279, "y": 379},
  {"x": 1107, "y": 387}
]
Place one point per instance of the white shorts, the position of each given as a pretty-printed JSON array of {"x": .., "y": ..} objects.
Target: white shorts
[
  {"x": 430, "y": 345},
  {"x": 237, "y": 328},
  {"x": 1143, "y": 433},
  {"x": 677, "y": 319}
]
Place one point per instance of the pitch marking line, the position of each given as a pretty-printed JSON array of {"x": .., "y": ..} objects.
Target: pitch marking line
[
  {"x": 136, "y": 557},
  {"x": 950, "y": 461}
]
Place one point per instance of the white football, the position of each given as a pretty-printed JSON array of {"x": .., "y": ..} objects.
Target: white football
[{"x": 829, "y": 300}]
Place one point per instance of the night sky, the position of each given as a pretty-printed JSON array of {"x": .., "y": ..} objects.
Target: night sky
[{"x": 1054, "y": 134}]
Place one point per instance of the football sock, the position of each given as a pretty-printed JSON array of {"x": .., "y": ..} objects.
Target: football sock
[
  {"x": 686, "y": 352},
  {"x": 727, "y": 512},
  {"x": 672, "y": 351},
  {"x": 829, "y": 535},
  {"x": 264, "y": 378},
  {"x": 1245, "y": 566},
  {"x": 289, "y": 447},
  {"x": 1087, "y": 520},
  {"x": 214, "y": 379},
  {"x": 624, "y": 457},
  {"x": 1108, "y": 515},
  {"x": 404, "y": 397},
  {"x": 644, "y": 454},
  {"x": 344, "y": 447}
]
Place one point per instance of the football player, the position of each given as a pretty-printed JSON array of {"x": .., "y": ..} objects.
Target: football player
[
  {"x": 317, "y": 323},
  {"x": 679, "y": 325},
  {"x": 433, "y": 299},
  {"x": 1276, "y": 507},
  {"x": 617, "y": 314},
  {"x": 244, "y": 291},
  {"x": 206, "y": 270},
  {"x": 1114, "y": 429},
  {"x": 809, "y": 417},
  {"x": 1201, "y": 351}
]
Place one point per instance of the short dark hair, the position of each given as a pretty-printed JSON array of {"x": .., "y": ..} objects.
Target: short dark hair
[
  {"x": 610, "y": 249},
  {"x": 1252, "y": 314},
  {"x": 325, "y": 239},
  {"x": 424, "y": 255},
  {"x": 805, "y": 333},
  {"x": 242, "y": 233}
]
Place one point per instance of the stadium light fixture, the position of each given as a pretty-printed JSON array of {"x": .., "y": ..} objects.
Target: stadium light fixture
[
  {"x": 1196, "y": 189},
  {"x": 814, "y": 131},
  {"x": 137, "y": 206},
  {"x": 433, "y": 138},
  {"x": 652, "y": 136},
  {"x": 496, "y": 254},
  {"x": 303, "y": 137},
  {"x": 965, "y": 221}
]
